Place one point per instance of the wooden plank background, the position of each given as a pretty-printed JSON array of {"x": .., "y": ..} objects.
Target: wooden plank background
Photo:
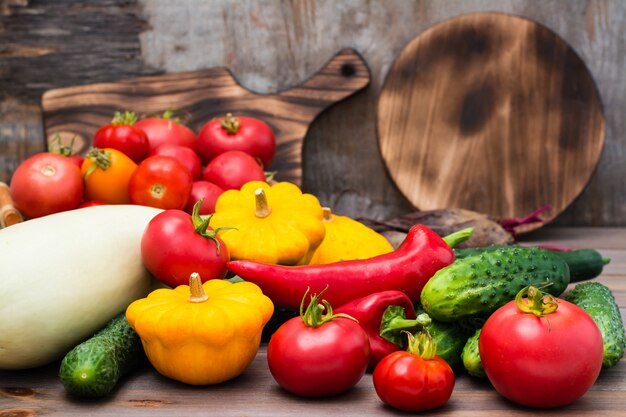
[{"x": 271, "y": 45}]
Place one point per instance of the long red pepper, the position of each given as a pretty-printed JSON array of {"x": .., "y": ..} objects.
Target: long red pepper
[{"x": 406, "y": 269}]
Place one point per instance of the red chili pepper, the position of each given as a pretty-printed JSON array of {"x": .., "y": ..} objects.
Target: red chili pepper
[
  {"x": 375, "y": 313},
  {"x": 406, "y": 269}
]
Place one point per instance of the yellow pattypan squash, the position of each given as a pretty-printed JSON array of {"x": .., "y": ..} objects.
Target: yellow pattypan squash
[
  {"x": 348, "y": 239},
  {"x": 202, "y": 333},
  {"x": 275, "y": 224}
]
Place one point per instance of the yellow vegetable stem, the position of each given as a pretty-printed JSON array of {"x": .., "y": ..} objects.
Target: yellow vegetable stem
[
  {"x": 327, "y": 213},
  {"x": 262, "y": 208},
  {"x": 197, "y": 294}
]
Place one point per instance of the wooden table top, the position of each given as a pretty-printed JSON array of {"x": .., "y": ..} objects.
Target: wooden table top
[{"x": 39, "y": 392}]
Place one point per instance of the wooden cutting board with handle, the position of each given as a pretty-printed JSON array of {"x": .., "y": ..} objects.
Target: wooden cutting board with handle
[
  {"x": 492, "y": 113},
  {"x": 77, "y": 112}
]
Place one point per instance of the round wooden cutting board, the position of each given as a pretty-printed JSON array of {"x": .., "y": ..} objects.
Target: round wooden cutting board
[{"x": 491, "y": 113}]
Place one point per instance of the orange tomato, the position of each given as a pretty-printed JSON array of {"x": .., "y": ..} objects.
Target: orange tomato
[{"x": 107, "y": 173}]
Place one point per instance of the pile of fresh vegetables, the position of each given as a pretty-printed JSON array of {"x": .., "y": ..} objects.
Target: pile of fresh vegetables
[{"x": 189, "y": 276}]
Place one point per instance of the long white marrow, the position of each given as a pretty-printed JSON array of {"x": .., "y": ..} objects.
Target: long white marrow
[{"x": 64, "y": 276}]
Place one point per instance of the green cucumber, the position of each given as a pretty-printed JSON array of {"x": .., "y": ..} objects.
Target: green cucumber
[
  {"x": 470, "y": 357},
  {"x": 93, "y": 368},
  {"x": 477, "y": 285},
  {"x": 450, "y": 338},
  {"x": 598, "y": 301},
  {"x": 584, "y": 264}
]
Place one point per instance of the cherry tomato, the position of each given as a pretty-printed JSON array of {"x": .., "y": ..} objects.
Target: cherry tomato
[
  {"x": 165, "y": 129},
  {"x": 161, "y": 182},
  {"x": 205, "y": 191},
  {"x": 107, "y": 173},
  {"x": 410, "y": 382},
  {"x": 317, "y": 355},
  {"x": 231, "y": 133},
  {"x": 540, "y": 351},
  {"x": 123, "y": 135},
  {"x": 176, "y": 244},
  {"x": 183, "y": 154},
  {"x": 46, "y": 183},
  {"x": 232, "y": 169}
]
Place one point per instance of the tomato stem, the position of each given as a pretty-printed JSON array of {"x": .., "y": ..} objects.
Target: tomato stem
[
  {"x": 535, "y": 302},
  {"x": 201, "y": 225},
  {"x": 126, "y": 118},
  {"x": 196, "y": 291},
  {"x": 101, "y": 160},
  {"x": 422, "y": 345},
  {"x": 313, "y": 317},
  {"x": 57, "y": 147},
  {"x": 230, "y": 123}
]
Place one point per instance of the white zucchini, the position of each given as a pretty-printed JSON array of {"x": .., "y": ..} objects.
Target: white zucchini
[{"x": 64, "y": 276}]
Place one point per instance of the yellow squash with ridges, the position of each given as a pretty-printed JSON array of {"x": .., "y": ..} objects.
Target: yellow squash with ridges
[
  {"x": 201, "y": 334},
  {"x": 269, "y": 223}
]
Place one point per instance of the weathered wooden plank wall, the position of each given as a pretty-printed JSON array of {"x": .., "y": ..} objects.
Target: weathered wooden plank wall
[{"x": 271, "y": 45}]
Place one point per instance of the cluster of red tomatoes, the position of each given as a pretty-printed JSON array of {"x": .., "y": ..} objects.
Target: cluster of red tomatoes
[{"x": 155, "y": 161}]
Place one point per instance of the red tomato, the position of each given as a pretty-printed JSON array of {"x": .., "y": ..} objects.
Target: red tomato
[
  {"x": 409, "y": 382},
  {"x": 232, "y": 169},
  {"x": 546, "y": 361},
  {"x": 167, "y": 130},
  {"x": 230, "y": 133},
  {"x": 92, "y": 203},
  {"x": 318, "y": 356},
  {"x": 46, "y": 183},
  {"x": 205, "y": 191},
  {"x": 161, "y": 182},
  {"x": 123, "y": 135},
  {"x": 172, "y": 248},
  {"x": 183, "y": 154}
]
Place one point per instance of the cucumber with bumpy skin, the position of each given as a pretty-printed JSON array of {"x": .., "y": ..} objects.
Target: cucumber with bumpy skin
[
  {"x": 475, "y": 286},
  {"x": 584, "y": 264},
  {"x": 471, "y": 357},
  {"x": 598, "y": 301},
  {"x": 93, "y": 368}
]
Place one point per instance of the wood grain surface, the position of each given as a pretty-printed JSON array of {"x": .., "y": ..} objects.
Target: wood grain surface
[
  {"x": 75, "y": 113},
  {"x": 492, "y": 113},
  {"x": 272, "y": 45},
  {"x": 39, "y": 392}
]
